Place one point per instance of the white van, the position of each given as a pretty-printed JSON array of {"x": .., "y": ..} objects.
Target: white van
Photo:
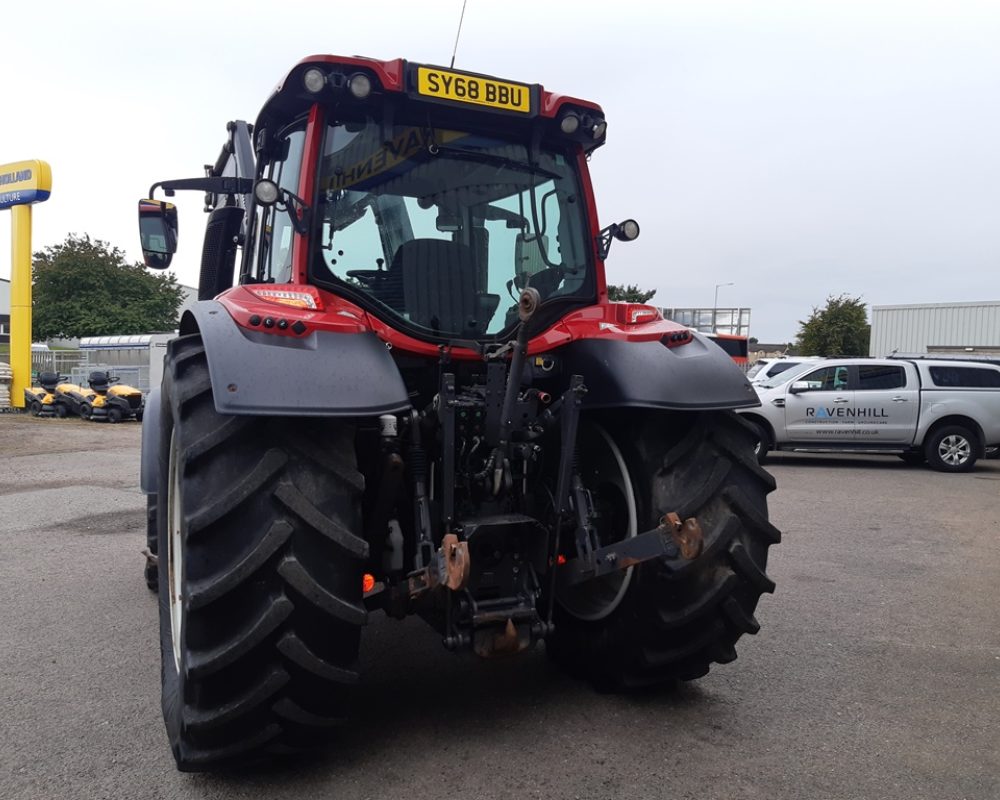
[{"x": 766, "y": 369}]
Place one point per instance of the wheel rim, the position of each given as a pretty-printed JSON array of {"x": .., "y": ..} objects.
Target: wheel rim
[
  {"x": 605, "y": 474},
  {"x": 175, "y": 566},
  {"x": 955, "y": 450}
]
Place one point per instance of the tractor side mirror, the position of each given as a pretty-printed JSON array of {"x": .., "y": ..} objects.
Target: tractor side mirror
[{"x": 157, "y": 232}]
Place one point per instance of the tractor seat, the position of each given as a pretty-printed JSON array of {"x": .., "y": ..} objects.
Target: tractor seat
[
  {"x": 48, "y": 381},
  {"x": 434, "y": 282},
  {"x": 99, "y": 381}
]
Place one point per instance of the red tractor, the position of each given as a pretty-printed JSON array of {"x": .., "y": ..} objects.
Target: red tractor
[{"x": 404, "y": 388}]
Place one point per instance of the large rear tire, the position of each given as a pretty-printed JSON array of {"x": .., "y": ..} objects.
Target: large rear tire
[
  {"x": 260, "y": 574},
  {"x": 674, "y": 625},
  {"x": 151, "y": 571}
]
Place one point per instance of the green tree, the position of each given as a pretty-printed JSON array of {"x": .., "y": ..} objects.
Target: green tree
[
  {"x": 629, "y": 294},
  {"x": 85, "y": 287},
  {"x": 839, "y": 329}
]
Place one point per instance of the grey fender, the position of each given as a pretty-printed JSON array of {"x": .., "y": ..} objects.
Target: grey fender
[
  {"x": 693, "y": 376},
  {"x": 149, "y": 465},
  {"x": 318, "y": 374}
]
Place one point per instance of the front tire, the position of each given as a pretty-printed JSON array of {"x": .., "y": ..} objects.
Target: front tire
[
  {"x": 260, "y": 574},
  {"x": 674, "y": 625}
]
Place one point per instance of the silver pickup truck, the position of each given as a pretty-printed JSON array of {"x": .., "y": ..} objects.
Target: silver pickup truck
[{"x": 944, "y": 412}]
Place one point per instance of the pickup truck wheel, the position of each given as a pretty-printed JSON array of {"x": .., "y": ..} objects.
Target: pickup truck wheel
[
  {"x": 763, "y": 445},
  {"x": 952, "y": 449},
  {"x": 260, "y": 574},
  {"x": 654, "y": 625}
]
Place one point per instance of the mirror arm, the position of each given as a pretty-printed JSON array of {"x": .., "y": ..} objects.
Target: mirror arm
[
  {"x": 213, "y": 185},
  {"x": 297, "y": 213},
  {"x": 604, "y": 239}
]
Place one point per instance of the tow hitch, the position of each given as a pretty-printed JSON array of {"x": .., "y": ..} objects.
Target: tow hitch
[{"x": 674, "y": 541}]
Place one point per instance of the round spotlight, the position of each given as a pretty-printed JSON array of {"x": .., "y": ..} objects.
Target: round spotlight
[
  {"x": 266, "y": 192},
  {"x": 628, "y": 231},
  {"x": 570, "y": 124},
  {"x": 360, "y": 85},
  {"x": 314, "y": 80},
  {"x": 600, "y": 128}
]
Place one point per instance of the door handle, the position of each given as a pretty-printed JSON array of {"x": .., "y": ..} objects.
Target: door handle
[
  {"x": 841, "y": 400},
  {"x": 779, "y": 402},
  {"x": 900, "y": 399}
]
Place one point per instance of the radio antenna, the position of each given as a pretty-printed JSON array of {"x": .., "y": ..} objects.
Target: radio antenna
[{"x": 458, "y": 33}]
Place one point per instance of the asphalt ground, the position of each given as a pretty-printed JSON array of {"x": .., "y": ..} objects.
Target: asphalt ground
[{"x": 876, "y": 673}]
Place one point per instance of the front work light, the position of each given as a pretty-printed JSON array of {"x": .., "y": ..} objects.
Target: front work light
[{"x": 266, "y": 192}]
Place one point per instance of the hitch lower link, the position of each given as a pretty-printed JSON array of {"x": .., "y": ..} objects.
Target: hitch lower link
[
  {"x": 450, "y": 567},
  {"x": 676, "y": 542}
]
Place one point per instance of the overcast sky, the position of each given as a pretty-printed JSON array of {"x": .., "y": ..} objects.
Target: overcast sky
[{"x": 795, "y": 149}]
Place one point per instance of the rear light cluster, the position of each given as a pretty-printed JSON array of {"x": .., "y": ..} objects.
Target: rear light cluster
[
  {"x": 676, "y": 338},
  {"x": 299, "y": 297},
  {"x": 305, "y": 298}
]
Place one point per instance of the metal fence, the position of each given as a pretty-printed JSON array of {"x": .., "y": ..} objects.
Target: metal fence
[
  {"x": 61, "y": 361},
  {"x": 77, "y": 366}
]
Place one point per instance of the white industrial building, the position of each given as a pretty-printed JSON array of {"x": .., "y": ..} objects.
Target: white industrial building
[{"x": 954, "y": 328}]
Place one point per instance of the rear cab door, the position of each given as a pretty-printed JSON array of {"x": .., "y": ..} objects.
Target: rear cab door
[{"x": 886, "y": 402}]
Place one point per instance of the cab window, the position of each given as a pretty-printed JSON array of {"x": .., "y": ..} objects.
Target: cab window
[{"x": 827, "y": 379}]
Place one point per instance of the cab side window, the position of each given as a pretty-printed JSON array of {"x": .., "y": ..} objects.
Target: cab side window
[
  {"x": 881, "y": 377},
  {"x": 827, "y": 379}
]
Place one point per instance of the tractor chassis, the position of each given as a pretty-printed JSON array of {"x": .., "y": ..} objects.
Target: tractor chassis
[{"x": 482, "y": 587}]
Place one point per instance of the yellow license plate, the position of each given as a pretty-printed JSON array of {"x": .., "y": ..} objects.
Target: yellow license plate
[{"x": 446, "y": 85}]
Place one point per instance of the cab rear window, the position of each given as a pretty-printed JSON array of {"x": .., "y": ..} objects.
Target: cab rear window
[{"x": 966, "y": 377}]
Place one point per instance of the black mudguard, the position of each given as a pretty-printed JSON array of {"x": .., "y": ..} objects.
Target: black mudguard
[
  {"x": 693, "y": 376},
  {"x": 318, "y": 375},
  {"x": 150, "y": 463}
]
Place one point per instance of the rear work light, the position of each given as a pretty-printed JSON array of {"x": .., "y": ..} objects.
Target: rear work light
[
  {"x": 360, "y": 85},
  {"x": 296, "y": 297},
  {"x": 314, "y": 80}
]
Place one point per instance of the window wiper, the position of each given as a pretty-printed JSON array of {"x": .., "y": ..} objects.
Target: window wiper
[{"x": 491, "y": 158}]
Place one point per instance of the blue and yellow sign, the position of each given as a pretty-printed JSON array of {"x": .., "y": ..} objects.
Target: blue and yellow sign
[{"x": 24, "y": 182}]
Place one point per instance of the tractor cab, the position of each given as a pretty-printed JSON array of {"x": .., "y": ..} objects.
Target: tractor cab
[{"x": 424, "y": 197}]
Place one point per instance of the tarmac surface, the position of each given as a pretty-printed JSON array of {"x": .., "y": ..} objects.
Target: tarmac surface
[{"x": 876, "y": 673}]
